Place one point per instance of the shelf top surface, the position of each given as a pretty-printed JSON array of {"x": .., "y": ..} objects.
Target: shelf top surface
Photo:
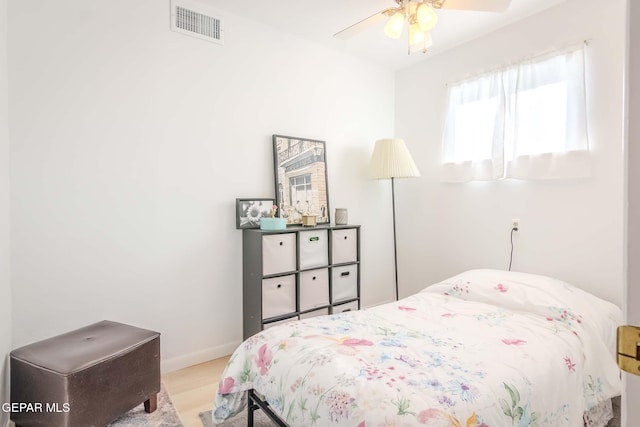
[{"x": 295, "y": 228}]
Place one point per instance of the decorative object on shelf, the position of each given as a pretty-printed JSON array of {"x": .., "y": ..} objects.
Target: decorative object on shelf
[
  {"x": 309, "y": 220},
  {"x": 301, "y": 178},
  {"x": 341, "y": 216},
  {"x": 420, "y": 18},
  {"x": 391, "y": 159},
  {"x": 250, "y": 211},
  {"x": 273, "y": 223}
]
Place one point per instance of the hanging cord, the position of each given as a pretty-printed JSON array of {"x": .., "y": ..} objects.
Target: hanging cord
[{"x": 511, "y": 255}]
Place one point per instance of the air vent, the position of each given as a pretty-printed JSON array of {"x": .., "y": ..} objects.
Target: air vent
[{"x": 188, "y": 20}]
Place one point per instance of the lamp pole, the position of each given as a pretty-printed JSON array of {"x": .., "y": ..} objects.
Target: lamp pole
[
  {"x": 391, "y": 159},
  {"x": 395, "y": 246}
]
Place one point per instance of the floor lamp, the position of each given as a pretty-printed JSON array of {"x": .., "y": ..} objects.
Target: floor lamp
[{"x": 391, "y": 159}]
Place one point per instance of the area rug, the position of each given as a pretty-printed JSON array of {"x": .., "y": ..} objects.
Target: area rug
[
  {"x": 240, "y": 420},
  {"x": 164, "y": 416},
  {"x": 615, "y": 422}
]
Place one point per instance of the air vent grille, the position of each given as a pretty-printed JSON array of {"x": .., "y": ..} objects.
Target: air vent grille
[{"x": 188, "y": 21}]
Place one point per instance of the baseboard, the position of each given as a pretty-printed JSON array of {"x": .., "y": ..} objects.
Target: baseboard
[
  {"x": 186, "y": 360},
  {"x": 379, "y": 303}
]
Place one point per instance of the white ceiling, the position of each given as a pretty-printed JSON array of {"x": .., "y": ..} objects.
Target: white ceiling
[{"x": 319, "y": 20}]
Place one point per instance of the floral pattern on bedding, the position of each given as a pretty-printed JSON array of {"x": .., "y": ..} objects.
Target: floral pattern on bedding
[{"x": 459, "y": 353}]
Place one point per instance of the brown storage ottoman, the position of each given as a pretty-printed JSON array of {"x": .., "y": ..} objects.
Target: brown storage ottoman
[{"x": 87, "y": 377}]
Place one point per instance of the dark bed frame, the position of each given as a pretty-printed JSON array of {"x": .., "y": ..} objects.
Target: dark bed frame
[{"x": 256, "y": 403}]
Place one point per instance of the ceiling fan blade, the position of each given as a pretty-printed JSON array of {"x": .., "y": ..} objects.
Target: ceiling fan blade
[
  {"x": 359, "y": 27},
  {"x": 479, "y": 5}
]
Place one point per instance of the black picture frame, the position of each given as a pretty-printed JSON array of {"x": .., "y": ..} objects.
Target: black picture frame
[
  {"x": 301, "y": 183},
  {"x": 249, "y": 211}
]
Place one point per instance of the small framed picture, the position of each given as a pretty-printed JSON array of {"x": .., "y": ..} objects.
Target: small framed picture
[{"x": 249, "y": 211}]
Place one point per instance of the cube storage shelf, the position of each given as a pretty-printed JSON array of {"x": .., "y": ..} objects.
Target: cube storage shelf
[{"x": 298, "y": 273}]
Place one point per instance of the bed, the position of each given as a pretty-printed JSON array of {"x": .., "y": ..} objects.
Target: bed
[{"x": 485, "y": 348}]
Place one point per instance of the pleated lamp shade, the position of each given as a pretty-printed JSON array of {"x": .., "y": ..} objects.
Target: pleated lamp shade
[{"x": 391, "y": 159}]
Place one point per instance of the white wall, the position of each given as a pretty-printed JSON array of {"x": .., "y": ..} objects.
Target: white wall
[
  {"x": 573, "y": 229},
  {"x": 129, "y": 145},
  {"x": 5, "y": 283}
]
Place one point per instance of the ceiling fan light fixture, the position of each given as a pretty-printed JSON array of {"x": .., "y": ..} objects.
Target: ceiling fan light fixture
[
  {"x": 420, "y": 12},
  {"x": 420, "y": 18},
  {"x": 426, "y": 17},
  {"x": 416, "y": 35},
  {"x": 421, "y": 43},
  {"x": 393, "y": 27}
]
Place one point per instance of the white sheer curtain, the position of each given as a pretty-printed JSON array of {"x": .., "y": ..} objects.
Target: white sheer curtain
[
  {"x": 525, "y": 121},
  {"x": 546, "y": 132},
  {"x": 475, "y": 130}
]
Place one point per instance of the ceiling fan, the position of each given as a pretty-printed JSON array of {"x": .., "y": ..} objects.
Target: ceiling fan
[{"x": 421, "y": 17}]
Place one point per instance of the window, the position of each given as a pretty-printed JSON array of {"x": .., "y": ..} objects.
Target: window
[
  {"x": 525, "y": 121},
  {"x": 300, "y": 187}
]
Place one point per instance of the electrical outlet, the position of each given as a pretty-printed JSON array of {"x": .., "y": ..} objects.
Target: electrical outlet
[{"x": 515, "y": 224}]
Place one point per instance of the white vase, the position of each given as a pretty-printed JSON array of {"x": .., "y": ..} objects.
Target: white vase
[{"x": 341, "y": 216}]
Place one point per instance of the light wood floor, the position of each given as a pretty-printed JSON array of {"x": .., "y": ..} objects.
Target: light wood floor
[{"x": 193, "y": 389}]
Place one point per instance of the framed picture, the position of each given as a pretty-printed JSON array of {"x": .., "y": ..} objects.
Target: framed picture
[
  {"x": 249, "y": 211},
  {"x": 301, "y": 178}
]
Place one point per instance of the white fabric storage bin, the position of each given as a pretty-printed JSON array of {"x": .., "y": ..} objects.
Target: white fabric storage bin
[
  {"x": 314, "y": 249},
  {"x": 350, "y": 306},
  {"x": 278, "y": 253},
  {"x": 344, "y": 282},
  {"x": 314, "y": 289},
  {"x": 279, "y": 322},
  {"x": 315, "y": 313},
  {"x": 278, "y": 296},
  {"x": 344, "y": 245}
]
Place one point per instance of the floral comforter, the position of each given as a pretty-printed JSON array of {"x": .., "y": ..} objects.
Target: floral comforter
[{"x": 484, "y": 348}]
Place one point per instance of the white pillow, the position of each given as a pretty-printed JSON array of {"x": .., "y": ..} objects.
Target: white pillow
[{"x": 554, "y": 299}]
